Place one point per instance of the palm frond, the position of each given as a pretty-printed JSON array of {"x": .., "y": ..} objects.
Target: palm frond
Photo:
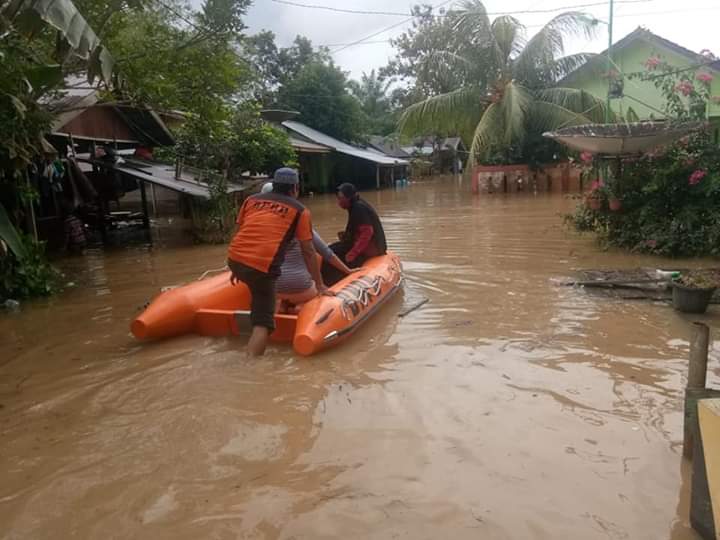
[
  {"x": 538, "y": 57},
  {"x": 509, "y": 37},
  {"x": 445, "y": 114},
  {"x": 447, "y": 66},
  {"x": 546, "y": 116},
  {"x": 486, "y": 133},
  {"x": 514, "y": 107},
  {"x": 472, "y": 20},
  {"x": 567, "y": 64},
  {"x": 578, "y": 101}
]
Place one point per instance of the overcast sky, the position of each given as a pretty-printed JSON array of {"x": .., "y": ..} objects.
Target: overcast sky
[{"x": 690, "y": 23}]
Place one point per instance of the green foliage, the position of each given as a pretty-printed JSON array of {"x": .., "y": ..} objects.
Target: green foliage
[
  {"x": 214, "y": 219},
  {"x": 426, "y": 58},
  {"x": 502, "y": 101},
  {"x": 74, "y": 34},
  {"x": 670, "y": 202},
  {"x": 172, "y": 68},
  {"x": 242, "y": 143},
  {"x": 275, "y": 66},
  {"x": 320, "y": 94},
  {"x": 10, "y": 236},
  {"x": 27, "y": 277},
  {"x": 379, "y": 115},
  {"x": 22, "y": 119}
]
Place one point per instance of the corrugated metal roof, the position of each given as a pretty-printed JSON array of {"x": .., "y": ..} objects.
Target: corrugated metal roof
[
  {"x": 306, "y": 146},
  {"x": 164, "y": 176},
  {"x": 78, "y": 95},
  {"x": 339, "y": 146}
]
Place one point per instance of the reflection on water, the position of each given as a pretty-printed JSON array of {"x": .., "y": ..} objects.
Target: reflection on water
[{"x": 506, "y": 407}]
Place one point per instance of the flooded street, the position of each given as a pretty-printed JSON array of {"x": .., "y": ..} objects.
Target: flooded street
[{"x": 506, "y": 407}]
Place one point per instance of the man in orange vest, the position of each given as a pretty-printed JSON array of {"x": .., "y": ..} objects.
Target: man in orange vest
[{"x": 267, "y": 222}]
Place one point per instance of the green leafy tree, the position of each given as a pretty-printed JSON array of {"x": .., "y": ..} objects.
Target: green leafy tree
[
  {"x": 170, "y": 65},
  {"x": 244, "y": 143},
  {"x": 275, "y": 66},
  {"x": 420, "y": 43},
  {"x": 379, "y": 115},
  {"x": 320, "y": 94},
  {"x": 498, "y": 115}
]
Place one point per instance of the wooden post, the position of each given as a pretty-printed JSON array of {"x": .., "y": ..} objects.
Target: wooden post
[
  {"x": 72, "y": 147},
  {"x": 697, "y": 371},
  {"x": 392, "y": 176},
  {"x": 153, "y": 198},
  {"x": 377, "y": 176},
  {"x": 143, "y": 197},
  {"x": 30, "y": 218},
  {"x": 697, "y": 376}
]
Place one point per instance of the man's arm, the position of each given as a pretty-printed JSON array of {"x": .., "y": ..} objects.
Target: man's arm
[
  {"x": 362, "y": 241},
  {"x": 311, "y": 261}
]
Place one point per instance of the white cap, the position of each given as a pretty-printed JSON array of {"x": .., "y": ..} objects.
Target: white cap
[{"x": 267, "y": 187}]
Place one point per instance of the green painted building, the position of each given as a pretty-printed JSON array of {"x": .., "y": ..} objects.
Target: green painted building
[{"x": 629, "y": 56}]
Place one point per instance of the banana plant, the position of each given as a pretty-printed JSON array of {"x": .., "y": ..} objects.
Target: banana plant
[
  {"x": 9, "y": 235},
  {"x": 30, "y": 16}
]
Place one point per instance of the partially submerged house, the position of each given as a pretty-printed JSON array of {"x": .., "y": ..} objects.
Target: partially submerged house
[
  {"x": 82, "y": 117},
  {"x": 326, "y": 162},
  {"x": 443, "y": 155},
  {"x": 389, "y": 146},
  {"x": 95, "y": 184},
  {"x": 631, "y": 96}
]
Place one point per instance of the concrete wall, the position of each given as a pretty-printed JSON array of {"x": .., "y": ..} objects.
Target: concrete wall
[{"x": 555, "y": 178}]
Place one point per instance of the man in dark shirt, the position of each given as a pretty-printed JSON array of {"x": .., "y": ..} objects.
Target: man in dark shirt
[{"x": 362, "y": 238}]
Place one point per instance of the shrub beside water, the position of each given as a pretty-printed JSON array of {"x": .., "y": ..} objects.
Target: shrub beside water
[{"x": 670, "y": 202}]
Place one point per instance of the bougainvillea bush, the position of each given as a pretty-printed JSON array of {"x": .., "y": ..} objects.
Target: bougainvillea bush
[
  {"x": 666, "y": 202},
  {"x": 670, "y": 201}
]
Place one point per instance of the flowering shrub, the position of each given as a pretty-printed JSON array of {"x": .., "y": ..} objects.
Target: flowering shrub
[
  {"x": 686, "y": 92},
  {"x": 670, "y": 202}
]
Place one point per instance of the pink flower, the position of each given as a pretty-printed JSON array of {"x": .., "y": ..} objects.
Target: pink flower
[
  {"x": 652, "y": 62},
  {"x": 652, "y": 244},
  {"x": 696, "y": 176},
  {"x": 704, "y": 77},
  {"x": 596, "y": 184},
  {"x": 685, "y": 88},
  {"x": 586, "y": 157}
]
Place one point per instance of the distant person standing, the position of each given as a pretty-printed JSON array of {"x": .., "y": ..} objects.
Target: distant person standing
[
  {"x": 362, "y": 238},
  {"x": 267, "y": 223}
]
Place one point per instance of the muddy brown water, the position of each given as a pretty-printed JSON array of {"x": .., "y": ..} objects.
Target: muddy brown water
[{"x": 506, "y": 407}]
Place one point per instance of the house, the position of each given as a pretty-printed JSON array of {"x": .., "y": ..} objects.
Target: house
[
  {"x": 446, "y": 155},
  {"x": 630, "y": 56},
  {"x": 326, "y": 162},
  {"x": 81, "y": 115},
  {"x": 388, "y": 146}
]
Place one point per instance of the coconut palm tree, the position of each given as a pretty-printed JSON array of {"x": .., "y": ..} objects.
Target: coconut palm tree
[{"x": 513, "y": 95}]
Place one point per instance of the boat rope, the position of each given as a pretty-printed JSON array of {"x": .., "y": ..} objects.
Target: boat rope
[
  {"x": 359, "y": 293},
  {"x": 214, "y": 271}
]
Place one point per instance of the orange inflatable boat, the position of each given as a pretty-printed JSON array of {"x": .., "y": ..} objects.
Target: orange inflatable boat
[{"x": 214, "y": 307}]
